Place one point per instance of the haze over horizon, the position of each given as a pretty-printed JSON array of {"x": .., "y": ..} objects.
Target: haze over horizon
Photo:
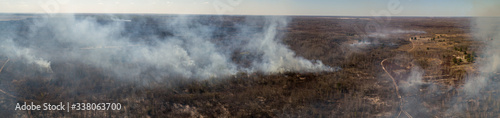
[{"x": 261, "y": 7}]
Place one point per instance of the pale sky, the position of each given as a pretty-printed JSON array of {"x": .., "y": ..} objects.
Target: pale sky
[{"x": 261, "y": 7}]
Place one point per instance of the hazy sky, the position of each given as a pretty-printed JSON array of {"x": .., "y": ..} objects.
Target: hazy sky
[{"x": 261, "y": 7}]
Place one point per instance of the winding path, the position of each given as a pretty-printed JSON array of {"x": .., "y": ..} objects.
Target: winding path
[
  {"x": 401, "y": 99},
  {"x": 412, "y": 45},
  {"x": 10, "y": 95},
  {"x": 4, "y": 64}
]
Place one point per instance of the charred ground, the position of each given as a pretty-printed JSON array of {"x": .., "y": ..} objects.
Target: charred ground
[{"x": 361, "y": 88}]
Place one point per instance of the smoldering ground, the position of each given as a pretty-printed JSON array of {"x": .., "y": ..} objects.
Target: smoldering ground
[
  {"x": 87, "y": 57},
  {"x": 478, "y": 95},
  {"x": 198, "y": 47},
  {"x": 481, "y": 86}
]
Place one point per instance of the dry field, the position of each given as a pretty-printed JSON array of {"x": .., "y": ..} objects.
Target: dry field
[{"x": 375, "y": 79}]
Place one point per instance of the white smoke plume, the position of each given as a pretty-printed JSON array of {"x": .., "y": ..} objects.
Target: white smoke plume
[
  {"x": 168, "y": 46},
  {"x": 488, "y": 31},
  {"x": 412, "y": 96},
  {"x": 25, "y": 54},
  {"x": 485, "y": 78},
  {"x": 400, "y": 31},
  {"x": 385, "y": 33},
  {"x": 375, "y": 38}
]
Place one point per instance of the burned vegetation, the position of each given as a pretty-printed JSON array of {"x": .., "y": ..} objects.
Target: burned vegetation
[{"x": 360, "y": 84}]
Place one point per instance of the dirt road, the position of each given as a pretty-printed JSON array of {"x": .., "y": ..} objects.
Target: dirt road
[
  {"x": 10, "y": 95},
  {"x": 4, "y": 64},
  {"x": 401, "y": 98}
]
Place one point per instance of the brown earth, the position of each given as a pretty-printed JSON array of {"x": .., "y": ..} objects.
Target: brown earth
[{"x": 366, "y": 86}]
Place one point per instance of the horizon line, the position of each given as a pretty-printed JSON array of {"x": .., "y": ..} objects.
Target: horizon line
[{"x": 297, "y": 15}]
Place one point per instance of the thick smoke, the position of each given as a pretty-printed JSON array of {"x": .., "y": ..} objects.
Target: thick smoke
[
  {"x": 26, "y": 54},
  {"x": 488, "y": 31},
  {"x": 168, "y": 46},
  {"x": 375, "y": 38},
  {"x": 399, "y": 31},
  {"x": 478, "y": 84},
  {"x": 485, "y": 78},
  {"x": 413, "y": 82},
  {"x": 385, "y": 33},
  {"x": 410, "y": 101}
]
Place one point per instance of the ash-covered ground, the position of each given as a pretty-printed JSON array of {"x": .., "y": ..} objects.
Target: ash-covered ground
[{"x": 250, "y": 66}]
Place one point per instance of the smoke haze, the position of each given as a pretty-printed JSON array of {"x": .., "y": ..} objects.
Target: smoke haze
[
  {"x": 173, "y": 46},
  {"x": 487, "y": 31}
]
